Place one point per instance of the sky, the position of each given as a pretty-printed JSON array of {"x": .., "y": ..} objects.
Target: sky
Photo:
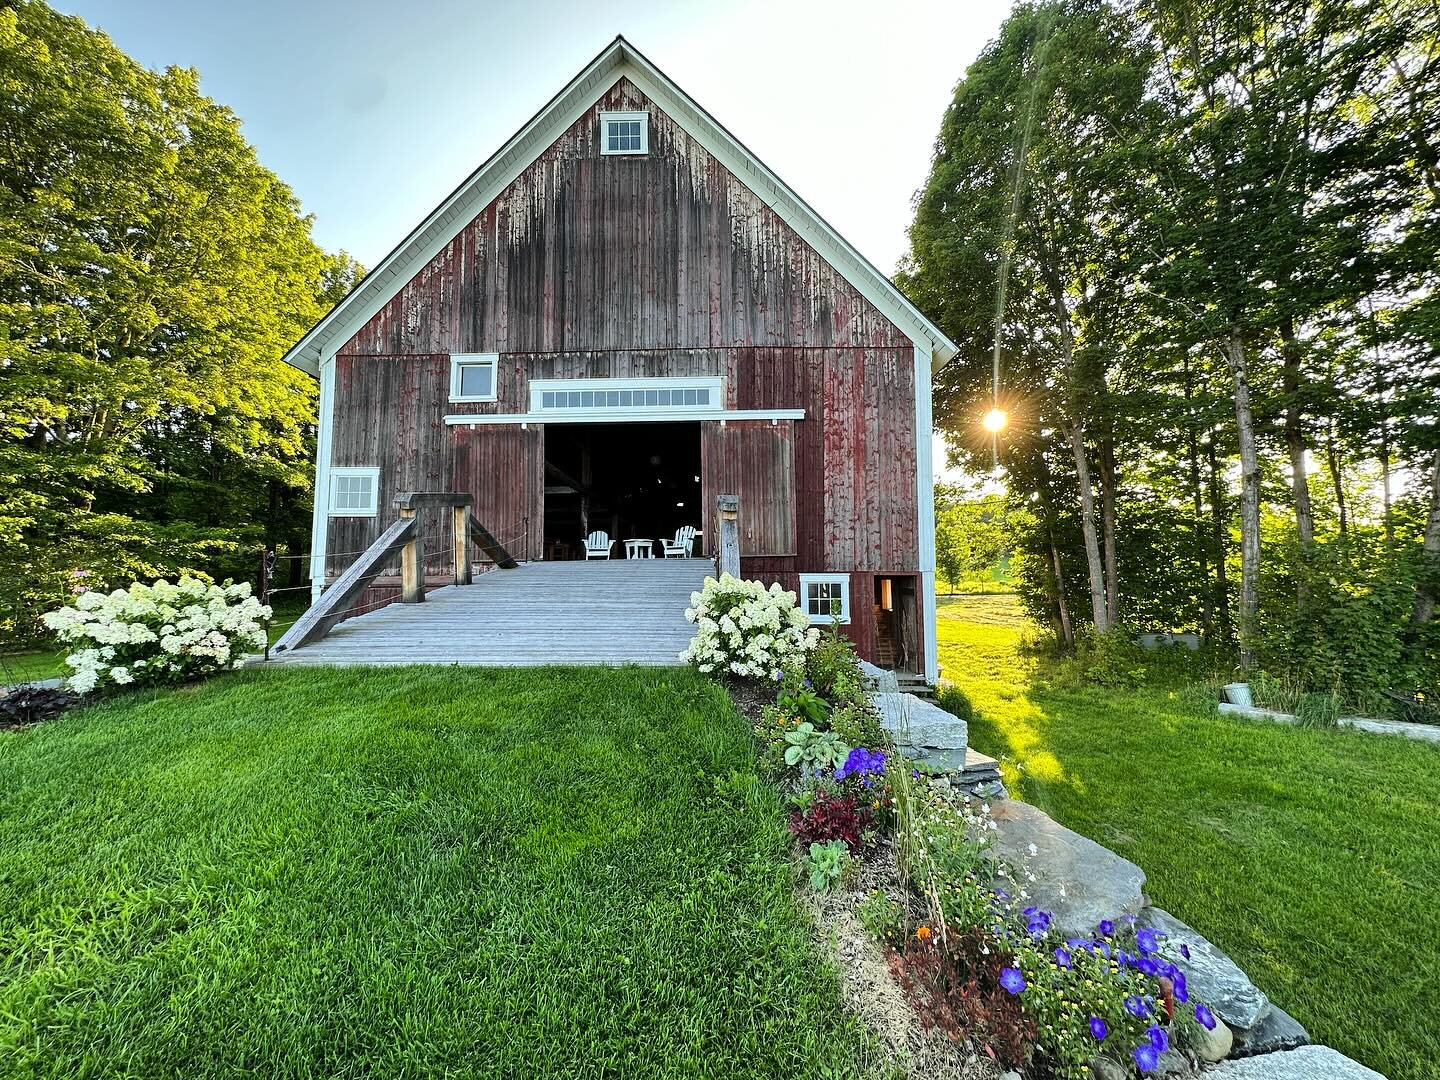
[{"x": 373, "y": 111}]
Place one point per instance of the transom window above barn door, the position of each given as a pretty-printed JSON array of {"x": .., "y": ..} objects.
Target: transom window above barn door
[
  {"x": 621, "y": 397},
  {"x": 624, "y": 133},
  {"x": 354, "y": 492},
  {"x": 472, "y": 376},
  {"x": 825, "y": 597}
]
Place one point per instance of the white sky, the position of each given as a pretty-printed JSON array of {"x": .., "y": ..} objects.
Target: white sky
[{"x": 373, "y": 111}]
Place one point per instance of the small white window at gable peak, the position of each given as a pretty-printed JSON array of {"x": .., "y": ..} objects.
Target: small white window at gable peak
[{"x": 624, "y": 133}]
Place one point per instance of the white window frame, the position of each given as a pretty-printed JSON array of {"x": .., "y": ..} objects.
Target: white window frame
[
  {"x": 843, "y": 580},
  {"x": 713, "y": 385},
  {"x": 605, "y": 120},
  {"x": 460, "y": 360},
  {"x": 372, "y": 471}
]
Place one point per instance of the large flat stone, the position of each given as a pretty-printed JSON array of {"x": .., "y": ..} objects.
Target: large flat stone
[
  {"x": 1097, "y": 883},
  {"x": 880, "y": 679},
  {"x": 1307, "y": 1063},
  {"x": 1212, "y": 976},
  {"x": 924, "y": 732},
  {"x": 1277, "y": 1030}
]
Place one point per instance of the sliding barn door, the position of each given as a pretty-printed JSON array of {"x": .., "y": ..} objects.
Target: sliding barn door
[{"x": 754, "y": 459}]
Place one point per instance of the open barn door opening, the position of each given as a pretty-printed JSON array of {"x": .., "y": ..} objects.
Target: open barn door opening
[{"x": 630, "y": 480}]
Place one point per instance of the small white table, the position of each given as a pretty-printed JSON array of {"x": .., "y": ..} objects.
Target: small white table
[{"x": 639, "y": 549}]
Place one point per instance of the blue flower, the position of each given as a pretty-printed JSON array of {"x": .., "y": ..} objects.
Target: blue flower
[
  {"x": 779, "y": 676},
  {"x": 1147, "y": 966},
  {"x": 1103, "y": 948},
  {"x": 1062, "y": 958},
  {"x": 1106, "y": 927},
  {"x": 1158, "y": 1039},
  {"x": 1146, "y": 1057},
  {"x": 1147, "y": 939},
  {"x": 1098, "y": 1028},
  {"x": 1182, "y": 991},
  {"x": 1185, "y": 950},
  {"x": 1135, "y": 1007},
  {"x": 1012, "y": 980},
  {"x": 1205, "y": 1017}
]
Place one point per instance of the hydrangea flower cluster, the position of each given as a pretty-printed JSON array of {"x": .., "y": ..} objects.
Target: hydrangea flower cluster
[
  {"x": 163, "y": 632},
  {"x": 743, "y": 628}
]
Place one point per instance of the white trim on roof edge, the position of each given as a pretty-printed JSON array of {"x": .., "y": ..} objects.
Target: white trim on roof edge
[{"x": 619, "y": 59}]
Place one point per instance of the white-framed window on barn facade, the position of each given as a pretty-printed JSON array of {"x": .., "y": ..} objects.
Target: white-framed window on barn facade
[
  {"x": 473, "y": 376},
  {"x": 624, "y": 133},
  {"x": 354, "y": 491},
  {"x": 825, "y": 597},
  {"x": 686, "y": 396}
]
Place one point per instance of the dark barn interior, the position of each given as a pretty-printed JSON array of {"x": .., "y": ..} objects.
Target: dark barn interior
[{"x": 629, "y": 480}]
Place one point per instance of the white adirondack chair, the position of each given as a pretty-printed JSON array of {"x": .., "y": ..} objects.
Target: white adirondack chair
[
  {"x": 683, "y": 544},
  {"x": 597, "y": 545}
]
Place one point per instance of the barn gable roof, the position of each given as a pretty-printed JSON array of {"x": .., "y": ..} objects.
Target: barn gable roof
[{"x": 619, "y": 59}]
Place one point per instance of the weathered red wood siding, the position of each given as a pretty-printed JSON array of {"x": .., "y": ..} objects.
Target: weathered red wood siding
[{"x": 657, "y": 265}]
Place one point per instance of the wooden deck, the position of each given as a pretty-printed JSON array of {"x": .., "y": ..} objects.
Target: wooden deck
[{"x": 598, "y": 613}]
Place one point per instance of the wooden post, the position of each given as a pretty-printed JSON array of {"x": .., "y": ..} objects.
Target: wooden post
[
  {"x": 728, "y": 512},
  {"x": 412, "y": 569},
  {"x": 460, "y": 522}
]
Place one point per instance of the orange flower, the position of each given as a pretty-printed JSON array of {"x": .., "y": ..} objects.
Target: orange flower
[{"x": 922, "y": 933}]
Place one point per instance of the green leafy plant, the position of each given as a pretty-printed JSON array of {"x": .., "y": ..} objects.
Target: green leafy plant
[
  {"x": 1318, "y": 710},
  {"x": 834, "y": 669},
  {"x": 815, "y": 749},
  {"x": 859, "y": 725},
  {"x": 803, "y": 703},
  {"x": 882, "y": 918},
  {"x": 828, "y": 863}
]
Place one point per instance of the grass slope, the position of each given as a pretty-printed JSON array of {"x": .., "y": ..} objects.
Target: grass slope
[
  {"x": 407, "y": 872},
  {"x": 1311, "y": 857}
]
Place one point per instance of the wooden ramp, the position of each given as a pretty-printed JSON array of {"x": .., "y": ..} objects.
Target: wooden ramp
[{"x": 599, "y": 612}]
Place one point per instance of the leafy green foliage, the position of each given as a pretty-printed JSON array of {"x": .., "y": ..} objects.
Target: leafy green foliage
[
  {"x": 813, "y": 749},
  {"x": 828, "y": 862},
  {"x": 882, "y": 918},
  {"x": 152, "y": 274}
]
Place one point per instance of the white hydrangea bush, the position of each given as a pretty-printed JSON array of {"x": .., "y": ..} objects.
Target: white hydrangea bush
[
  {"x": 743, "y": 628},
  {"x": 165, "y": 632}
]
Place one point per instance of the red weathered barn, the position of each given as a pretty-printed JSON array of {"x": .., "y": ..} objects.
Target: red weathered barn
[{"x": 617, "y": 318}]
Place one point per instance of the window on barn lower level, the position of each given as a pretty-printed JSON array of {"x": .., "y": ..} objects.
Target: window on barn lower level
[
  {"x": 825, "y": 597},
  {"x": 354, "y": 492},
  {"x": 472, "y": 376},
  {"x": 624, "y": 133}
]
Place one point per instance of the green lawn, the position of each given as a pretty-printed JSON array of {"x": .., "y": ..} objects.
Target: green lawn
[
  {"x": 406, "y": 872},
  {"x": 1312, "y": 857}
]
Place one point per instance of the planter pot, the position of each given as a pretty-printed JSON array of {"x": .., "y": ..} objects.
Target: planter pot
[{"x": 1238, "y": 693}]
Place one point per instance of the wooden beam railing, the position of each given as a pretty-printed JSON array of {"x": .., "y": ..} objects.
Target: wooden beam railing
[{"x": 404, "y": 537}]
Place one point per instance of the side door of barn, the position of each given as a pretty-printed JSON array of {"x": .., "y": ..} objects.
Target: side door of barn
[{"x": 754, "y": 459}]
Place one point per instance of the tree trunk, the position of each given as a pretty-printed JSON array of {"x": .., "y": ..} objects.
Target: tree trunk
[
  {"x": 1217, "y": 540},
  {"x": 1192, "y": 453},
  {"x": 1337, "y": 478},
  {"x": 1295, "y": 436},
  {"x": 1386, "y": 496},
  {"x": 1109, "y": 482},
  {"x": 1427, "y": 590},
  {"x": 1249, "y": 612},
  {"x": 1067, "y": 629},
  {"x": 1099, "y": 610}
]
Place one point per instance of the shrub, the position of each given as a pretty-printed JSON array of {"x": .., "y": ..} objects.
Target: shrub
[
  {"x": 158, "y": 633},
  {"x": 828, "y": 863},
  {"x": 859, "y": 725},
  {"x": 954, "y": 701},
  {"x": 1111, "y": 659},
  {"x": 745, "y": 629},
  {"x": 831, "y": 817},
  {"x": 32, "y": 704},
  {"x": 834, "y": 669}
]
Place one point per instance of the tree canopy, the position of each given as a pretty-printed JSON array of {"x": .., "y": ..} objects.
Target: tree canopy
[{"x": 152, "y": 273}]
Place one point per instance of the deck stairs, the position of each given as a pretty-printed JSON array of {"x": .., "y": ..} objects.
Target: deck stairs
[{"x": 597, "y": 613}]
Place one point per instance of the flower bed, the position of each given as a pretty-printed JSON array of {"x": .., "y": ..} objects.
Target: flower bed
[
  {"x": 977, "y": 960},
  {"x": 161, "y": 633}
]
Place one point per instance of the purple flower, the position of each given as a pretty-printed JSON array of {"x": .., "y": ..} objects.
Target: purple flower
[
  {"x": 1036, "y": 921},
  {"x": 1185, "y": 950},
  {"x": 1012, "y": 980},
  {"x": 1098, "y": 1029},
  {"x": 1062, "y": 958},
  {"x": 1182, "y": 991},
  {"x": 1106, "y": 927},
  {"x": 1158, "y": 1039},
  {"x": 779, "y": 676},
  {"x": 1147, "y": 939},
  {"x": 1103, "y": 948},
  {"x": 1146, "y": 1057},
  {"x": 1147, "y": 966},
  {"x": 1135, "y": 1007},
  {"x": 1205, "y": 1017}
]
